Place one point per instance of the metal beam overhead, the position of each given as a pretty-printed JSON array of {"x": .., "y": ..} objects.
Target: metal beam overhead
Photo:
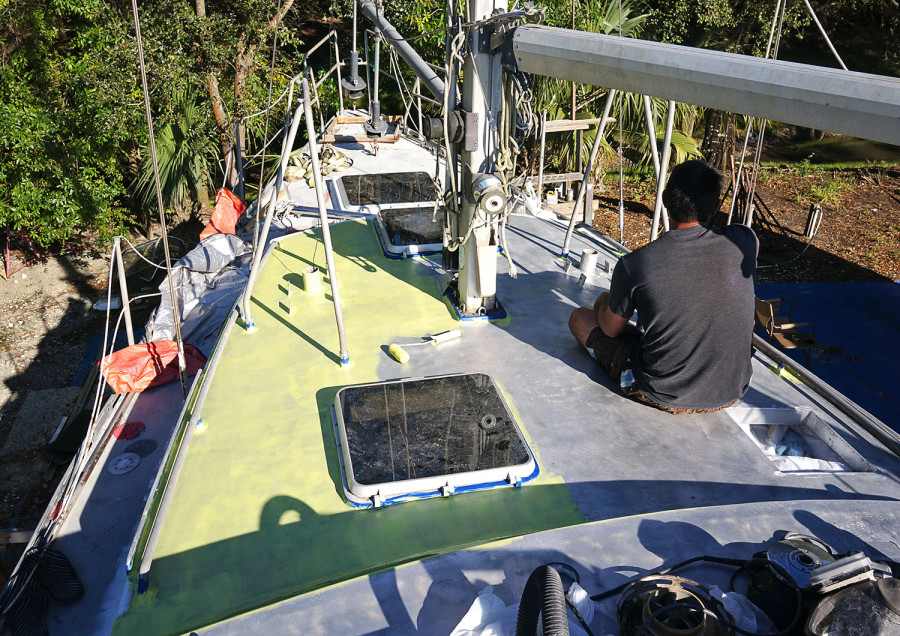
[
  {"x": 856, "y": 104},
  {"x": 429, "y": 78}
]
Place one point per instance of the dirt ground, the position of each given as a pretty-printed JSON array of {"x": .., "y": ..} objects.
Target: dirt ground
[
  {"x": 47, "y": 318},
  {"x": 857, "y": 239},
  {"x": 46, "y": 324}
]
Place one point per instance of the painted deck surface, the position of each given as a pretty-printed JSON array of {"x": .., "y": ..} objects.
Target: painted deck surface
[
  {"x": 258, "y": 515},
  {"x": 258, "y": 512}
]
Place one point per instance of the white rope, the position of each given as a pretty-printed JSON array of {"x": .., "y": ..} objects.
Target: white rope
[
  {"x": 103, "y": 354},
  {"x": 141, "y": 256},
  {"x": 506, "y": 166},
  {"x": 455, "y": 46}
]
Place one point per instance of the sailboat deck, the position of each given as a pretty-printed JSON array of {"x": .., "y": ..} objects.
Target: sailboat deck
[{"x": 259, "y": 516}]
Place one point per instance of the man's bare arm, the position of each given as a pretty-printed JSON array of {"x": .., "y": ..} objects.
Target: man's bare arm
[{"x": 611, "y": 324}]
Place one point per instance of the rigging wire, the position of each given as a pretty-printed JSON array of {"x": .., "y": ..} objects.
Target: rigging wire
[
  {"x": 262, "y": 168},
  {"x": 162, "y": 213},
  {"x": 775, "y": 24},
  {"x": 824, "y": 34},
  {"x": 621, "y": 162},
  {"x": 760, "y": 139}
]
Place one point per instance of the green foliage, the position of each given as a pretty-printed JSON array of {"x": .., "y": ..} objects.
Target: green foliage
[
  {"x": 611, "y": 18},
  {"x": 728, "y": 25},
  {"x": 865, "y": 32},
  {"x": 184, "y": 147},
  {"x": 61, "y": 118},
  {"x": 817, "y": 186},
  {"x": 828, "y": 192},
  {"x": 71, "y": 105},
  {"x": 423, "y": 20}
]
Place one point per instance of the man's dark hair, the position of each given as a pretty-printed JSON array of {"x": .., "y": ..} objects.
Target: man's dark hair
[{"x": 692, "y": 193}]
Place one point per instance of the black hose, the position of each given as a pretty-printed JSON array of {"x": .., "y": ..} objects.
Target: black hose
[
  {"x": 666, "y": 570},
  {"x": 543, "y": 597},
  {"x": 780, "y": 573}
]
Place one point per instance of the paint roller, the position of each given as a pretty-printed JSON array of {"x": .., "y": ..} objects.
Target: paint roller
[{"x": 400, "y": 355}]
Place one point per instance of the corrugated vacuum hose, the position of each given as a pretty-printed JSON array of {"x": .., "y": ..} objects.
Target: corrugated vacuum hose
[{"x": 543, "y": 597}]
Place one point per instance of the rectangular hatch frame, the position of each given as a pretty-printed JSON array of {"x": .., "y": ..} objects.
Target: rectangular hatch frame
[{"x": 415, "y": 438}]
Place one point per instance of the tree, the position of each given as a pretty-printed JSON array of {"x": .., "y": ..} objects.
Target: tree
[
  {"x": 863, "y": 31},
  {"x": 183, "y": 148},
  {"x": 609, "y": 17},
  {"x": 72, "y": 123},
  {"x": 244, "y": 38},
  {"x": 61, "y": 119}
]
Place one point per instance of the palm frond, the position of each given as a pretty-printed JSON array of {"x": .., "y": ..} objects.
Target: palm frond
[{"x": 183, "y": 152}]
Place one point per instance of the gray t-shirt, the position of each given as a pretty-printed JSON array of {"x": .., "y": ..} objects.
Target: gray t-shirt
[{"x": 693, "y": 292}]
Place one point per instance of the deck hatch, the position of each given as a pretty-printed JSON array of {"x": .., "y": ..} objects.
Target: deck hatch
[
  {"x": 413, "y": 226},
  {"x": 410, "y": 231},
  {"x": 386, "y": 188},
  {"x": 797, "y": 441},
  {"x": 426, "y": 437}
]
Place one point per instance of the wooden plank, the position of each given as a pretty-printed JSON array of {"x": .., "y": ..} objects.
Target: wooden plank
[
  {"x": 560, "y": 125},
  {"x": 557, "y": 178}
]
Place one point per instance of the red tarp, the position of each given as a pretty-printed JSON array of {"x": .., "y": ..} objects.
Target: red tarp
[
  {"x": 228, "y": 210},
  {"x": 142, "y": 366}
]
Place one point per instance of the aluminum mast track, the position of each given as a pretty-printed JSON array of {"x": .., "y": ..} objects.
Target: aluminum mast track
[{"x": 856, "y": 104}]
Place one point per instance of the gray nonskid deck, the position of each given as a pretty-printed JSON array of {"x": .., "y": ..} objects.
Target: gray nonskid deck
[
  {"x": 98, "y": 530},
  {"x": 640, "y": 474},
  {"x": 617, "y": 456},
  {"x": 431, "y": 596},
  {"x": 659, "y": 488}
]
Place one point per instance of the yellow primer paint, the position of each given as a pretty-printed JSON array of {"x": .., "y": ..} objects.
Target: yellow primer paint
[{"x": 258, "y": 514}]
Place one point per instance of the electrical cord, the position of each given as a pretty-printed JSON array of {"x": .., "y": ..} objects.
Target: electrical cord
[
  {"x": 579, "y": 617},
  {"x": 813, "y": 235},
  {"x": 780, "y": 574},
  {"x": 710, "y": 559}
]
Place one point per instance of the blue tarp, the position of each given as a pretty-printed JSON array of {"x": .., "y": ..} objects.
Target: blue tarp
[{"x": 857, "y": 326}]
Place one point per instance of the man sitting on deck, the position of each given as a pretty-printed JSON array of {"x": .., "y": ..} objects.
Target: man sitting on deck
[{"x": 693, "y": 293}]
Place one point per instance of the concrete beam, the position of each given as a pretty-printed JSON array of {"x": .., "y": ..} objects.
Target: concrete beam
[{"x": 856, "y": 104}]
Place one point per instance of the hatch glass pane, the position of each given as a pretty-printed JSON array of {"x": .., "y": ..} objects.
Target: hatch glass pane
[
  {"x": 388, "y": 188},
  {"x": 455, "y": 430},
  {"x": 413, "y": 226}
]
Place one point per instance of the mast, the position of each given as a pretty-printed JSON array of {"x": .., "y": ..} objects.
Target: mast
[{"x": 482, "y": 77}]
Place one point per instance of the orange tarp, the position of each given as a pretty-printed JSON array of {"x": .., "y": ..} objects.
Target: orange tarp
[
  {"x": 148, "y": 364},
  {"x": 229, "y": 209}
]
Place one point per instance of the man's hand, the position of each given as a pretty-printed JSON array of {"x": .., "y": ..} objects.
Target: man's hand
[{"x": 611, "y": 324}]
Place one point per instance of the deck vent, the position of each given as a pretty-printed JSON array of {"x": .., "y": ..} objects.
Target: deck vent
[
  {"x": 432, "y": 437},
  {"x": 796, "y": 440}
]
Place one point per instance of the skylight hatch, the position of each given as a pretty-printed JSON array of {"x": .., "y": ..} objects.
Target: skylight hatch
[{"x": 419, "y": 438}]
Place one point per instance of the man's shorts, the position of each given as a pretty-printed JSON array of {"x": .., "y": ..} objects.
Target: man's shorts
[{"x": 615, "y": 355}]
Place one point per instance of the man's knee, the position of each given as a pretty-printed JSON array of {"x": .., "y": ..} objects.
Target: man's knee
[{"x": 581, "y": 322}]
